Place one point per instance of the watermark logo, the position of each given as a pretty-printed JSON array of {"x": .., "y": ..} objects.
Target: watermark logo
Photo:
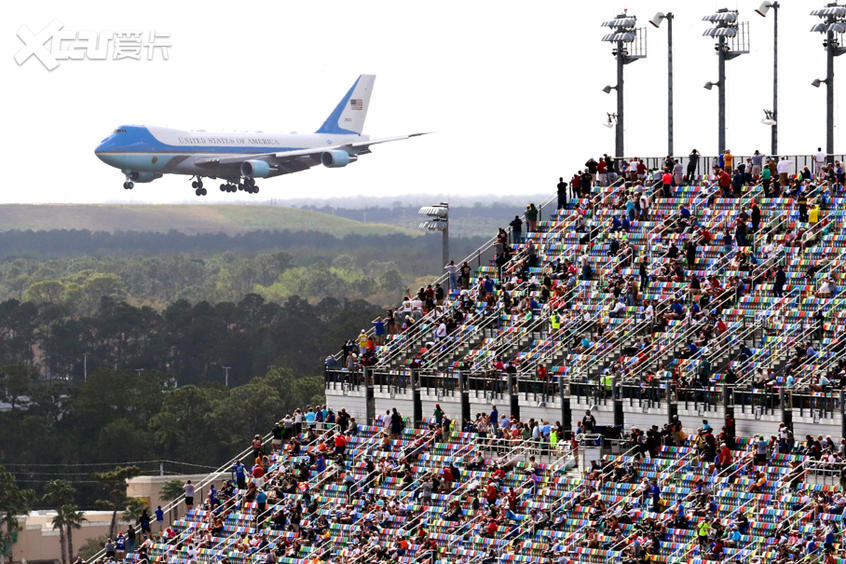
[{"x": 55, "y": 44}]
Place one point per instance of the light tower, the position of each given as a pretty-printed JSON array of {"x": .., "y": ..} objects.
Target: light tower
[
  {"x": 438, "y": 221},
  {"x": 732, "y": 41},
  {"x": 656, "y": 21},
  {"x": 772, "y": 115},
  {"x": 629, "y": 45},
  {"x": 833, "y": 25}
]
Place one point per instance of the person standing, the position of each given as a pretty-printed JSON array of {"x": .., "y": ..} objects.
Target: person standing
[
  {"x": 531, "y": 218},
  {"x": 819, "y": 162},
  {"x": 562, "y": 193},
  {"x": 783, "y": 169},
  {"x": 591, "y": 167},
  {"x": 692, "y": 165},
  {"x": 188, "y": 488},
  {"x": 516, "y": 229},
  {"x": 452, "y": 273},
  {"x": 757, "y": 162},
  {"x": 728, "y": 161}
]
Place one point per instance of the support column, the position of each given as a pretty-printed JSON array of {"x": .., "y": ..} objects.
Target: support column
[
  {"x": 513, "y": 396},
  {"x": 829, "y": 96},
  {"x": 672, "y": 404},
  {"x": 617, "y": 390},
  {"x": 369, "y": 397},
  {"x": 618, "y": 137},
  {"x": 721, "y": 105},
  {"x": 566, "y": 410},
  {"x": 465, "y": 397},
  {"x": 728, "y": 401},
  {"x": 417, "y": 402},
  {"x": 786, "y": 408}
]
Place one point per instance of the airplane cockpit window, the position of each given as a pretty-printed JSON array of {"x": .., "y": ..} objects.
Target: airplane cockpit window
[{"x": 119, "y": 130}]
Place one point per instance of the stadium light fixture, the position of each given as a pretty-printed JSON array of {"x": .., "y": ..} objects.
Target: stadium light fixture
[
  {"x": 769, "y": 118},
  {"x": 438, "y": 221},
  {"x": 629, "y": 45},
  {"x": 732, "y": 41},
  {"x": 762, "y": 10},
  {"x": 833, "y": 25},
  {"x": 656, "y": 22},
  {"x": 608, "y": 89},
  {"x": 709, "y": 85}
]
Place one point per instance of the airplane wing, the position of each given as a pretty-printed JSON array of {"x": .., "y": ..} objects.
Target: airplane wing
[{"x": 300, "y": 159}]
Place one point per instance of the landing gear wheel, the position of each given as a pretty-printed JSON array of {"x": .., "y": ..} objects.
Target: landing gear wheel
[
  {"x": 128, "y": 185},
  {"x": 203, "y": 191},
  {"x": 224, "y": 188},
  {"x": 255, "y": 189},
  {"x": 195, "y": 185},
  {"x": 198, "y": 192}
]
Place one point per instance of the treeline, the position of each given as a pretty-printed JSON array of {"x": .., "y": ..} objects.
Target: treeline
[
  {"x": 190, "y": 342},
  {"x": 77, "y": 268},
  {"x": 76, "y": 242},
  {"x": 65, "y": 429}
]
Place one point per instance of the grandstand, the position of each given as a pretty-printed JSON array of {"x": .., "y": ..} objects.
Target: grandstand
[{"x": 609, "y": 348}]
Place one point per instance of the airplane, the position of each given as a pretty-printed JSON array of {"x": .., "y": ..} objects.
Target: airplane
[{"x": 145, "y": 153}]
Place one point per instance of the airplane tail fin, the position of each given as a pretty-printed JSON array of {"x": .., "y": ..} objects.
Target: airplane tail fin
[{"x": 348, "y": 116}]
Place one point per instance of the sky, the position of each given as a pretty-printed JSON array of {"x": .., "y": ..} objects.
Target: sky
[{"x": 512, "y": 91}]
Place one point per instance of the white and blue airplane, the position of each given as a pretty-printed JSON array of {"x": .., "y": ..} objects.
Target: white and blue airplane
[{"x": 145, "y": 153}]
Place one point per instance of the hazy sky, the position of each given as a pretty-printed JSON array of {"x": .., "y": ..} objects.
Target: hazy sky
[{"x": 512, "y": 90}]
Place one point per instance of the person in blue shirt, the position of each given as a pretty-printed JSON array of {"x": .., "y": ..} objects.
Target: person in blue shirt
[
  {"x": 489, "y": 285},
  {"x": 616, "y": 224},
  {"x": 320, "y": 463},
  {"x": 261, "y": 503},
  {"x": 625, "y": 224},
  {"x": 655, "y": 492},
  {"x": 240, "y": 474},
  {"x": 160, "y": 513}
]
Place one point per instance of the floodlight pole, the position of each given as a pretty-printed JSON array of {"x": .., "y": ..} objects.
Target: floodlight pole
[
  {"x": 830, "y": 48},
  {"x": 721, "y": 84},
  {"x": 618, "y": 138},
  {"x": 774, "y": 131},
  {"x": 669, "y": 18},
  {"x": 445, "y": 245}
]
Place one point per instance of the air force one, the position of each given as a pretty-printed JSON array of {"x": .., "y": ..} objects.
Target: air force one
[{"x": 144, "y": 153}]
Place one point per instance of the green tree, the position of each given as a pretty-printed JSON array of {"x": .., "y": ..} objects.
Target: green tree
[
  {"x": 58, "y": 522},
  {"x": 73, "y": 519},
  {"x": 13, "y": 502},
  {"x": 113, "y": 485},
  {"x": 46, "y": 291},
  {"x": 59, "y": 494},
  {"x": 17, "y": 381}
]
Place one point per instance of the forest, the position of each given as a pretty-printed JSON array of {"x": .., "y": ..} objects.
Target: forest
[{"x": 117, "y": 347}]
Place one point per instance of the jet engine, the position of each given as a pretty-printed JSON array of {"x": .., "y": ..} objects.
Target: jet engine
[
  {"x": 337, "y": 158},
  {"x": 255, "y": 169}
]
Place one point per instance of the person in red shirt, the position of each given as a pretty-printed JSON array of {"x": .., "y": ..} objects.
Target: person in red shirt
[
  {"x": 666, "y": 184},
  {"x": 258, "y": 475},
  {"x": 725, "y": 183},
  {"x": 724, "y": 460},
  {"x": 490, "y": 530},
  {"x": 491, "y": 493},
  {"x": 340, "y": 444}
]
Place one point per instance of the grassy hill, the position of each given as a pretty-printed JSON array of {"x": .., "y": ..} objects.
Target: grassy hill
[{"x": 186, "y": 218}]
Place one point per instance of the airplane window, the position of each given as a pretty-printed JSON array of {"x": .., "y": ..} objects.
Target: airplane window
[{"x": 120, "y": 131}]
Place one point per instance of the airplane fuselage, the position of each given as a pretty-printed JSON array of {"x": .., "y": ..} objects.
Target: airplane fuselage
[{"x": 152, "y": 151}]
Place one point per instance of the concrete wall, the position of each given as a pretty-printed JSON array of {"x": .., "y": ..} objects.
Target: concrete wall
[
  {"x": 39, "y": 542},
  {"x": 634, "y": 415}
]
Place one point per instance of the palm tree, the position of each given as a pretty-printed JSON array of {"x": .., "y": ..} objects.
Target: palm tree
[
  {"x": 73, "y": 520},
  {"x": 58, "y": 522},
  {"x": 58, "y": 493}
]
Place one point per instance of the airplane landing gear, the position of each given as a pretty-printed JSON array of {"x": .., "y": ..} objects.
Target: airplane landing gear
[
  {"x": 198, "y": 187},
  {"x": 228, "y": 187},
  {"x": 248, "y": 185},
  {"x": 128, "y": 185}
]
